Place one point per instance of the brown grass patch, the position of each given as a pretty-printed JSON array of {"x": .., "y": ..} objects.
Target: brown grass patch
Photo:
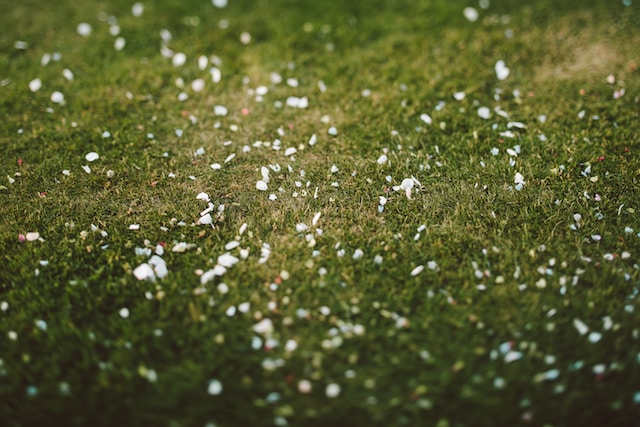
[{"x": 586, "y": 51}]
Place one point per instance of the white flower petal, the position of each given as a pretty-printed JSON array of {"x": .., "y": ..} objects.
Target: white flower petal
[
  {"x": 332, "y": 390},
  {"x": 57, "y": 97},
  {"x": 265, "y": 326},
  {"x": 84, "y": 29},
  {"x": 35, "y": 85},
  {"x": 179, "y": 59},
  {"x": 144, "y": 272},
  {"x": 417, "y": 270},
  {"x": 92, "y": 156},
  {"x": 470, "y": 13},
  {"x": 197, "y": 85},
  {"x": 484, "y": 113},
  {"x": 580, "y": 326},
  {"x": 215, "y": 387},
  {"x": 220, "y": 110},
  {"x": 227, "y": 260},
  {"x": 502, "y": 71},
  {"x": 33, "y": 236},
  {"x": 203, "y": 196},
  {"x": 407, "y": 184},
  {"x": 205, "y": 219}
]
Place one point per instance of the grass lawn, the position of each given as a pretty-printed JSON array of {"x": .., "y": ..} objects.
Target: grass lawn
[{"x": 311, "y": 213}]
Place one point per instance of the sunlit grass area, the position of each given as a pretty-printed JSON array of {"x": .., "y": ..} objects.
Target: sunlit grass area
[{"x": 301, "y": 213}]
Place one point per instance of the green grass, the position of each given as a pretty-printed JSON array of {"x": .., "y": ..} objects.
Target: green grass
[{"x": 504, "y": 269}]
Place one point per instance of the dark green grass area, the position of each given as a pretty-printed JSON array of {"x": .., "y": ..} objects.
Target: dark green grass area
[{"x": 470, "y": 301}]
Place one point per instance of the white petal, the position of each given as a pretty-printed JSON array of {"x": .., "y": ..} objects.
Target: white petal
[
  {"x": 68, "y": 74},
  {"x": 502, "y": 71},
  {"x": 137, "y": 9},
  {"x": 261, "y": 185},
  {"x": 92, "y": 156},
  {"x": 289, "y": 151},
  {"x": 206, "y": 219},
  {"x": 471, "y": 14},
  {"x": 417, "y": 270},
  {"x": 203, "y": 196},
  {"x": 84, "y": 29},
  {"x": 333, "y": 390},
  {"x": 215, "y": 387},
  {"x": 580, "y": 326},
  {"x": 216, "y": 75},
  {"x": 197, "y": 85},
  {"x": 227, "y": 260},
  {"x": 119, "y": 43},
  {"x": 144, "y": 272},
  {"x": 179, "y": 247},
  {"x": 33, "y": 236},
  {"x": 35, "y": 85},
  {"x": 232, "y": 245},
  {"x": 220, "y": 110},
  {"x": 594, "y": 337},
  {"x": 57, "y": 97},
  {"x": 265, "y": 326},
  {"x": 407, "y": 184},
  {"x": 426, "y": 118},
  {"x": 179, "y": 59},
  {"x": 207, "y": 277},
  {"x": 219, "y": 270}
]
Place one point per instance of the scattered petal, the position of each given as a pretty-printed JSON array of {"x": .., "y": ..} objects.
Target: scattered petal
[
  {"x": 265, "y": 326},
  {"x": 580, "y": 326},
  {"x": 417, "y": 270},
  {"x": 92, "y": 156},
  {"x": 426, "y": 118},
  {"x": 471, "y": 14},
  {"x": 220, "y": 110},
  {"x": 332, "y": 390},
  {"x": 502, "y": 71},
  {"x": 35, "y": 85},
  {"x": 594, "y": 337},
  {"x": 33, "y": 236},
  {"x": 179, "y": 59},
  {"x": 57, "y": 97},
  {"x": 214, "y": 388},
  {"x": 144, "y": 272},
  {"x": 83, "y": 29}
]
